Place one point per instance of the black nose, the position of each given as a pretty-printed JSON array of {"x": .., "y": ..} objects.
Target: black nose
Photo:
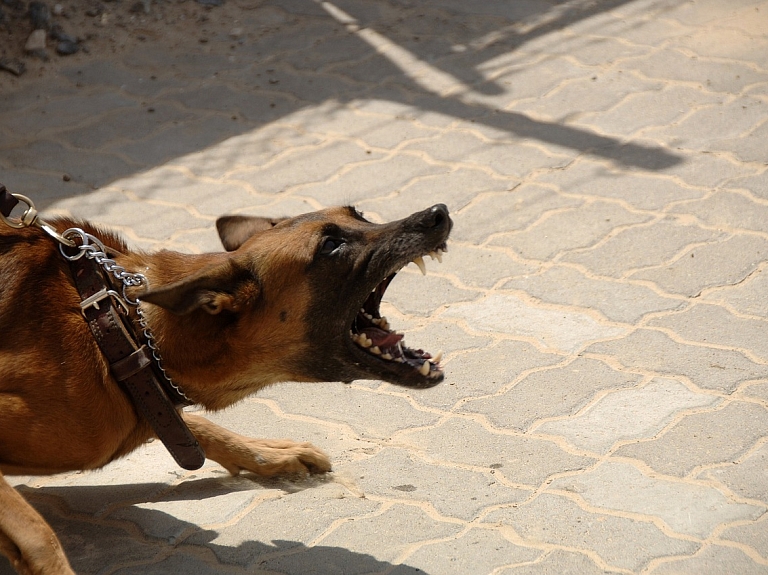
[{"x": 435, "y": 217}]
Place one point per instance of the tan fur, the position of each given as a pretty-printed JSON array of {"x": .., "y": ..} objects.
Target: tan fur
[{"x": 227, "y": 324}]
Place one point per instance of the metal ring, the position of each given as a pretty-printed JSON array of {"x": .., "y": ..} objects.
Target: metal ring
[
  {"x": 27, "y": 218},
  {"x": 69, "y": 235}
]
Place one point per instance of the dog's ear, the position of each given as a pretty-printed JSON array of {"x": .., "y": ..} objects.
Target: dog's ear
[
  {"x": 224, "y": 287},
  {"x": 235, "y": 230}
]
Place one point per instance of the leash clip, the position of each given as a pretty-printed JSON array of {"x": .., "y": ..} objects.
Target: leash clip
[{"x": 9, "y": 201}]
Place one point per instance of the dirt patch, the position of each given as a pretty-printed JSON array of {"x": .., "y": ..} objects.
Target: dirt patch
[{"x": 76, "y": 29}]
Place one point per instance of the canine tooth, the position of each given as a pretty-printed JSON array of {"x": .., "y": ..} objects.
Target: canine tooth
[
  {"x": 424, "y": 369},
  {"x": 386, "y": 356},
  {"x": 439, "y": 255},
  {"x": 419, "y": 261},
  {"x": 375, "y": 350},
  {"x": 437, "y": 357}
]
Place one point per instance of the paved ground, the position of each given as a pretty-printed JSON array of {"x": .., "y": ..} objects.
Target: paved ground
[{"x": 602, "y": 306}]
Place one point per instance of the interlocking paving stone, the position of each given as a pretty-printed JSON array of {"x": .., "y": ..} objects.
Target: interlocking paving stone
[
  {"x": 711, "y": 561},
  {"x": 641, "y": 246},
  {"x": 714, "y": 325},
  {"x": 486, "y": 371},
  {"x": 618, "y": 541},
  {"x": 304, "y": 167},
  {"x": 387, "y": 535},
  {"x": 453, "y": 492},
  {"x": 560, "y": 330},
  {"x": 746, "y": 478},
  {"x": 627, "y": 414},
  {"x": 707, "y": 367},
  {"x": 478, "y": 551},
  {"x": 506, "y": 212},
  {"x": 622, "y": 302},
  {"x": 551, "y": 392},
  {"x": 558, "y": 562},
  {"x": 713, "y": 75},
  {"x": 647, "y": 109},
  {"x": 753, "y": 534},
  {"x": 585, "y": 224},
  {"x": 379, "y": 178},
  {"x": 285, "y": 520},
  {"x": 694, "y": 510},
  {"x": 522, "y": 460},
  {"x": 481, "y": 267},
  {"x": 714, "y": 123},
  {"x": 705, "y": 438},
  {"x": 728, "y": 209},
  {"x": 642, "y": 190},
  {"x": 581, "y": 95}
]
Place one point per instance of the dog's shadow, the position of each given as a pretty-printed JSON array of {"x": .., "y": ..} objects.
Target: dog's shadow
[{"x": 135, "y": 538}]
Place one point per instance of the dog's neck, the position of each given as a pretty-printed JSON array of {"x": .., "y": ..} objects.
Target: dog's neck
[{"x": 196, "y": 348}]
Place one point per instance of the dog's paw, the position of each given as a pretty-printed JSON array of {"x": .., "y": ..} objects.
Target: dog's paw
[{"x": 269, "y": 458}]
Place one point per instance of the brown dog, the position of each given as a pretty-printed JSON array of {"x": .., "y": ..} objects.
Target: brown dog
[{"x": 293, "y": 300}]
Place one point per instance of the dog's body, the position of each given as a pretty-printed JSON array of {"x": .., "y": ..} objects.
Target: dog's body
[{"x": 284, "y": 305}]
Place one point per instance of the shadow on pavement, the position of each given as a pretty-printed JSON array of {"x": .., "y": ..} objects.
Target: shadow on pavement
[
  {"x": 138, "y": 540},
  {"x": 140, "y": 109}
]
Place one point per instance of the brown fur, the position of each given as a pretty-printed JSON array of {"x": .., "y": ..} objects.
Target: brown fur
[{"x": 227, "y": 324}]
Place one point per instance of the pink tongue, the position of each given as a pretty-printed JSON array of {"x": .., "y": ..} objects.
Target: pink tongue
[{"x": 382, "y": 338}]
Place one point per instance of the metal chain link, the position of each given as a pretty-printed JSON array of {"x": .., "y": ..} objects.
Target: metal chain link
[{"x": 93, "y": 249}]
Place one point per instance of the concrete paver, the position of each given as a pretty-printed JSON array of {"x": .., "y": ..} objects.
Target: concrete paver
[{"x": 602, "y": 305}]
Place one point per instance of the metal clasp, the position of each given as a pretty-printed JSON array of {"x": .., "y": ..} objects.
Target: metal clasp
[
  {"x": 104, "y": 293},
  {"x": 27, "y": 218}
]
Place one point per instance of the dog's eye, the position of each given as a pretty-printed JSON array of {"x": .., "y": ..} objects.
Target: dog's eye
[{"x": 330, "y": 246}]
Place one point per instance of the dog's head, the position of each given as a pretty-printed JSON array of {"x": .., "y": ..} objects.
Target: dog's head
[{"x": 300, "y": 296}]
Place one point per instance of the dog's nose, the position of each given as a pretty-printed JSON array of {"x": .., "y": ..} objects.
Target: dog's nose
[{"x": 435, "y": 217}]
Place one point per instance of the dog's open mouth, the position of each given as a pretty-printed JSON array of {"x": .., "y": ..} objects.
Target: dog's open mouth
[{"x": 371, "y": 332}]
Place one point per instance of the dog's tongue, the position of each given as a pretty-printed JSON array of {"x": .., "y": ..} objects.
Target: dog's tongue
[{"x": 382, "y": 338}]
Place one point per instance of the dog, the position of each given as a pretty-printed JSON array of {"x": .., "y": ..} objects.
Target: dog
[{"x": 293, "y": 299}]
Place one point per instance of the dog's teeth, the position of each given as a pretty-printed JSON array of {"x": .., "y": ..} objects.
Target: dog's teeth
[
  {"x": 375, "y": 350},
  {"x": 386, "y": 356},
  {"x": 437, "y": 357},
  {"x": 384, "y": 324},
  {"x": 368, "y": 316},
  {"x": 419, "y": 261},
  {"x": 367, "y": 342},
  {"x": 424, "y": 369},
  {"x": 399, "y": 360},
  {"x": 436, "y": 255}
]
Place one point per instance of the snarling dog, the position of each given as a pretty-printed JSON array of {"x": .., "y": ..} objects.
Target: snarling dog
[{"x": 290, "y": 300}]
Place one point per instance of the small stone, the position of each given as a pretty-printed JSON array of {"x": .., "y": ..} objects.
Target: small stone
[
  {"x": 15, "y": 67},
  {"x": 66, "y": 177},
  {"x": 235, "y": 33},
  {"x": 66, "y": 48},
  {"x": 36, "y": 41},
  {"x": 57, "y": 33}
]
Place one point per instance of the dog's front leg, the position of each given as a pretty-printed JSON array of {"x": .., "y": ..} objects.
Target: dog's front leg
[
  {"x": 265, "y": 457},
  {"x": 26, "y": 539}
]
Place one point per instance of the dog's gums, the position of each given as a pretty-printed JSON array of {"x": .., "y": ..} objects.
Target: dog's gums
[{"x": 371, "y": 332}]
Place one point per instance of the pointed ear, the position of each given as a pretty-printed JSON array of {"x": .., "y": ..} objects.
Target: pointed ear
[
  {"x": 235, "y": 230},
  {"x": 226, "y": 286}
]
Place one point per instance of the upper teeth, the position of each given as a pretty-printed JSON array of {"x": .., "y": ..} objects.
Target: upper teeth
[{"x": 435, "y": 255}]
